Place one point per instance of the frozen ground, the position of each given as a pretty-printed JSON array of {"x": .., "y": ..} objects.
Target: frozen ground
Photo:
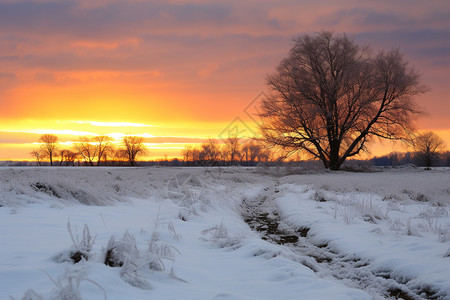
[{"x": 234, "y": 233}]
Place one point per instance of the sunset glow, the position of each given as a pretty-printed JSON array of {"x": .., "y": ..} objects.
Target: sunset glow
[{"x": 179, "y": 72}]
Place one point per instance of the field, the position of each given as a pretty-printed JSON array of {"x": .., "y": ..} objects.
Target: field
[{"x": 224, "y": 233}]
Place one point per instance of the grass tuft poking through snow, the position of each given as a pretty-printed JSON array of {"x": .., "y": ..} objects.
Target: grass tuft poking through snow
[
  {"x": 81, "y": 248},
  {"x": 68, "y": 284},
  {"x": 218, "y": 235},
  {"x": 159, "y": 250},
  {"x": 30, "y": 295}
]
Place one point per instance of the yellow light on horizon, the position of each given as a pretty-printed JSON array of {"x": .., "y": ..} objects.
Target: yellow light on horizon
[
  {"x": 53, "y": 131},
  {"x": 112, "y": 124}
]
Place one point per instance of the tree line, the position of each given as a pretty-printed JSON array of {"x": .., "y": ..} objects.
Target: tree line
[
  {"x": 90, "y": 151},
  {"x": 428, "y": 150},
  {"x": 100, "y": 151},
  {"x": 229, "y": 151}
]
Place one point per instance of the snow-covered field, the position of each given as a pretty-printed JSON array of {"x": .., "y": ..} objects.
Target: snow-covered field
[{"x": 196, "y": 233}]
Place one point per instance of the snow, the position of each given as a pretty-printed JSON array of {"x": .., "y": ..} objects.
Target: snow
[{"x": 394, "y": 221}]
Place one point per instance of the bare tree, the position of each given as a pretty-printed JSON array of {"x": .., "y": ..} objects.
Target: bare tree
[
  {"x": 103, "y": 146},
  {"x": 70, "y": 157},
  {"x": 428, "y": 147},
  {"x": 67, "y": 156},
  {"x": 211, "y": 150},
  {"x": 39, "y": 155},
  {"x": 134, "y": 147},
  {"x": 87, "y": 149},
  {"x": 330, "y": 97},
  {"x": 49, "y": 145},
  {"x": 120, "y": 156},
  {"x": 251, "y": 151},
  {"x": 108, "y": 154},
  {"x": 447, "y": 158},
  {"x": 62, "y": 156},
  {"x": 395, "y": 158},
  {"x": 187, "y": 154},
  {"x": 232, "y": 147}
]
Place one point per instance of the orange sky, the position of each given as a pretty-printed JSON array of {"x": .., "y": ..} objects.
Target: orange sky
[{"x": 178, "y": 72}]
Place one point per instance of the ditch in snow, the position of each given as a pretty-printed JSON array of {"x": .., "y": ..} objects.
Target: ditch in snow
[{"x": 262, "y": 215}]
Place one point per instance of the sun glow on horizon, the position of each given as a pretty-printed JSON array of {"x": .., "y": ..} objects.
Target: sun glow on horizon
[
  {"x": 54, "y": 132},
  {"x": 19, "y": 138},
  {"x": 112, "y": 124}
]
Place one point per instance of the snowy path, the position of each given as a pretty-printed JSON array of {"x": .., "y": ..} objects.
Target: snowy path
[{"x": 262, "y": 215}]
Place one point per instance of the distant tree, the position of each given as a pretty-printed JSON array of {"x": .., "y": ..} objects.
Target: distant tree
[
  {"x": 49, "y": 145},
  {"x": 103, "y": 147},
  {"x": 87, "y": 149},
  {"x": 108, "y": 154},
  {"x": 330, "y": 97},
  {"x": 120, "y": 156},
  {"x": 67, "y": 157},
  {"x": 134, "y": 147},
  {"x": 70, "y": 157},
  {"x": 395, "y": 158},
  {"x": 251, "y": 151},
  {"x": 39, "y": 155},
  {"x": 407, "y": 158},
  {"x": 232, "y": 147},
  {"x": 447, "y": 158},
  {"x": 428, "y": 147},
  {"x": 187, "y": 155},
  {"x": 245, "y": 152},
  {"x": 62, "y": 156},
  {"x": 196, "y": 155},
  {"x": 211, "y": 150}
]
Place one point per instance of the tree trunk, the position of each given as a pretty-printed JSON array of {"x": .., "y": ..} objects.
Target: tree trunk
[
  {"x": 334, "y": 155},
  {"x": 335, "y": 165}
]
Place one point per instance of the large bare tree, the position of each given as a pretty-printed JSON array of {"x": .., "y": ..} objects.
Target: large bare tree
[
  {"x": 329, "y": 97},
  {"x": 428, "y": 147},
  {"x": 134, "y": 147},
  {"x": 49, "y": 145}
]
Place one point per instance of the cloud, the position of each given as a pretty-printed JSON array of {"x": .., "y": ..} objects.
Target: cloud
[
  {"x": 54, "y": 131},
  {"x": 113, "y": 19},
  {"x": 7, "y": 76},
  {"x": 162, "y": 61},
  {"x": 429, "y": 48},
  {"x": 115, "y": 124},
  {"x": 174, "y": 140}
]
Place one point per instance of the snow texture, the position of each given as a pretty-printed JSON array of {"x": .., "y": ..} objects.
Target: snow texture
[{"x": 240, "y": 233}]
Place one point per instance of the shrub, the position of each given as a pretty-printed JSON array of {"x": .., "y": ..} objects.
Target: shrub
[
  {"x": 68, "y": 284},
  {"x": 219, "y": 236},
  {"x": 81, "y": 248},
  {"x": 117, "y": 252}
]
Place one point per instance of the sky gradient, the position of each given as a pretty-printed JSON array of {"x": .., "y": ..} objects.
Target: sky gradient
[{"x": 178, "y": 72}]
